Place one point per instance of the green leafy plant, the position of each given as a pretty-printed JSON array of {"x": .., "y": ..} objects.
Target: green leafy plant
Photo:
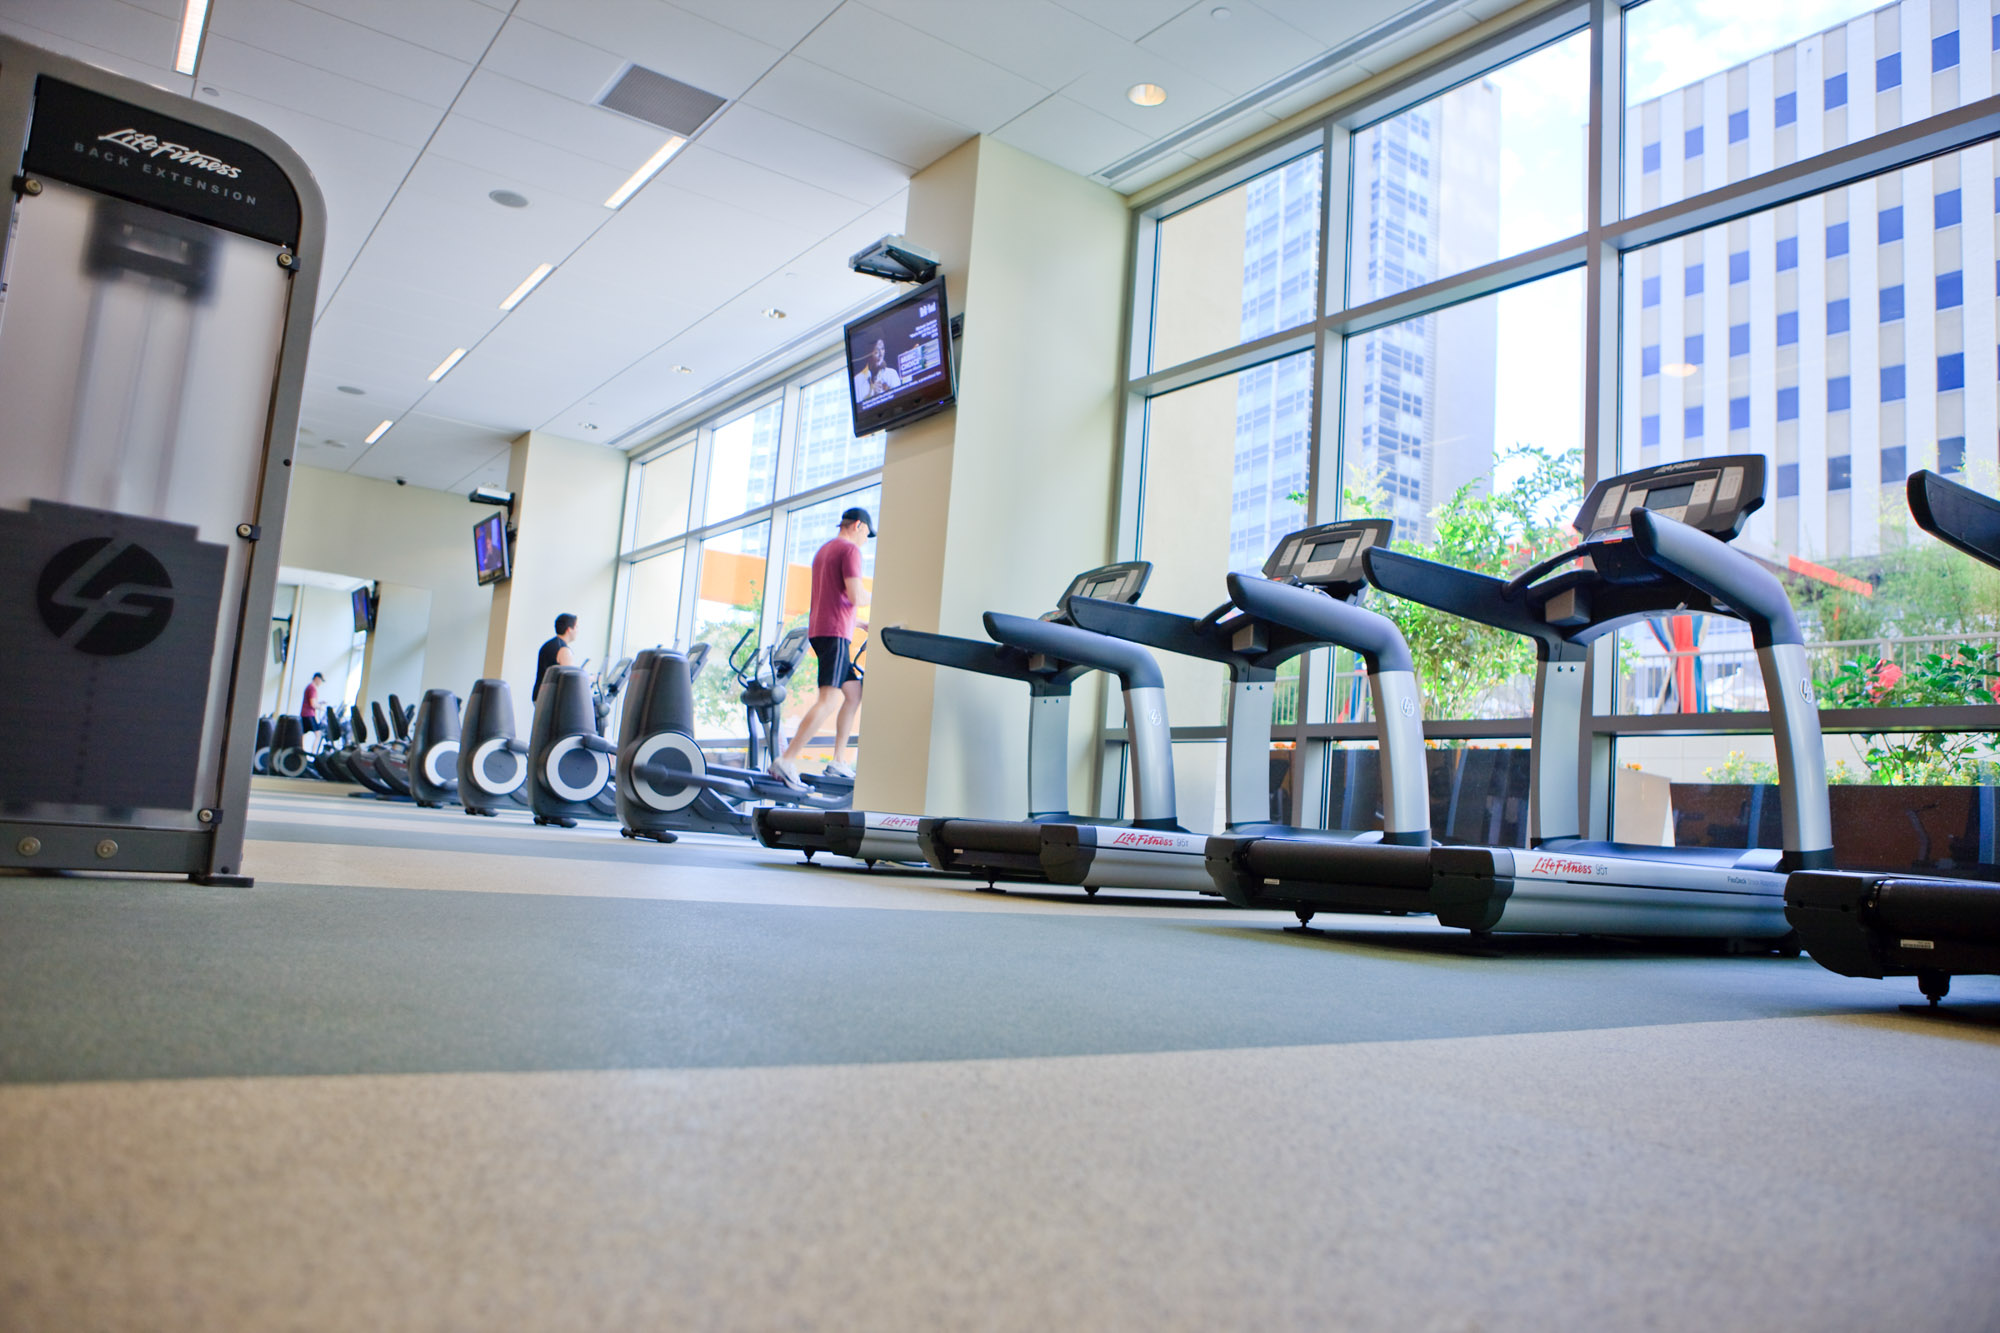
[
  {"x": 717, "y": 701},
  {"x": 1490, "y": 529},
  {"x": 1740, "y": 768},
  {"x": 1965, "y": 673}
]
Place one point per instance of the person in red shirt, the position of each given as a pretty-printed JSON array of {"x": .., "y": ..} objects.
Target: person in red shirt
[
  {"x": 836, "y": 593},
  {"x": 309, "y": 706}
]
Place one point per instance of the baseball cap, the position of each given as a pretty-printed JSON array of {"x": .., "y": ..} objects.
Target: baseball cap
[{"x": 858, "y": 516}]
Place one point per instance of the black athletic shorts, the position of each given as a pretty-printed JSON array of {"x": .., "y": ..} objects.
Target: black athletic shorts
[{"x": 835, "y": 668}]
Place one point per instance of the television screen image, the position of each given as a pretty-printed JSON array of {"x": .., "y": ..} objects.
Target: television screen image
[
  {"x": 489, "y": 548},
  {"x": 899, "y": 360},
  {"x": 364, "y": 610}
]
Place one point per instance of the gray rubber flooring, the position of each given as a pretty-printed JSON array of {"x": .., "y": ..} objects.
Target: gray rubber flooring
[{"x": 105, "y": 979}]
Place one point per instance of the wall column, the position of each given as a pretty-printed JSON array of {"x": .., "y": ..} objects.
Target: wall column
[
  {"x": 569, "y": 507},
  {"x": 997, "y": 504}
]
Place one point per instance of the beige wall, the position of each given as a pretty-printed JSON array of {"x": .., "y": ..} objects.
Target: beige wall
[
  {"x": 569, "y": 504},
  {"x": 398, "y": 645},
  {"x": 997, "y": 504},
  {"x": 409, "y": 535}
]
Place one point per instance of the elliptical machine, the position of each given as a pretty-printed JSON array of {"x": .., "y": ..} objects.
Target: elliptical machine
[
  {"x": 492, "y": 763},
  {"x": 433, "y": 767}
]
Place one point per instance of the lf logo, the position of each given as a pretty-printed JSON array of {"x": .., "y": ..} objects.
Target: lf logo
[{"x": 105, "y": 597}]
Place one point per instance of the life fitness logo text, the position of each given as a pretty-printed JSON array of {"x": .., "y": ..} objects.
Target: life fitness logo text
[
  {"x": 1565, "y": 868},
  {"x": 152, "y": 145},
  {"x": 897, "y": 822},
  {"x": 105, "y": 597},
  {"x": 1134, "y": 838}
]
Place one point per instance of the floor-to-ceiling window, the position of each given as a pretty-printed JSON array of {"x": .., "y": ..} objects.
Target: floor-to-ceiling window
[
  {"x": 722, "y": 520},
  {"x": 1396, "y": 312}
]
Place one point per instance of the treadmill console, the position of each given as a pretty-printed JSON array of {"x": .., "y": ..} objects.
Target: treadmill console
[
  {"x": 1715, "y": 495},
  {"x": 1122, "y": 582},
  {"x": 1329, "y": 554}
]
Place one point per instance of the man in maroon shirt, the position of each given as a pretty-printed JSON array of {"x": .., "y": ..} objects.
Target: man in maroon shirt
[
  {"x": 309, "y": 706},
  {"x": 836, "y": 592}
]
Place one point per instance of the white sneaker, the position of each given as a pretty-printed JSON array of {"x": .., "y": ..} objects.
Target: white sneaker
[
  {"x": 785, "y": 771},
  {"x": 834, "y": 770}
]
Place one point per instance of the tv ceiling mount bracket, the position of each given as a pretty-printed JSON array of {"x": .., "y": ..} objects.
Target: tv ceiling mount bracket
[{"x": 895, "y": 258}]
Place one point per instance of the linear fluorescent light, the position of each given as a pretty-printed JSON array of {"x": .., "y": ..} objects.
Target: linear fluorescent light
[
  {"x": 645, "y": 173},
  {"x": 194, "y": 22},
  {"x": 378, "y": 432},
  {"x": 444, "y": 366},
  {"x": 528, "y": 284}
]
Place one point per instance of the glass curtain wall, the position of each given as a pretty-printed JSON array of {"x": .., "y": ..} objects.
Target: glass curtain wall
[
  {"x": 720, "y": 516},
  {"x": 1797, "y": 204}
]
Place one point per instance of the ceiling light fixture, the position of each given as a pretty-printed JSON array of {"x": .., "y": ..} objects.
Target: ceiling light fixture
[
  {"x": 683, "y": 370},
  {"x": 378, "y": 432},
  {"x": 349, "y": 388},
  {"x": 645, "y": 173},
  {"x": 194, "y": 24},
  {"x": 1678, "y": 369},
  {"x": 508, "y": 198},
  {"x": 1145, "y": 94},
  {"x": 528, "y": 284},
  {"x": 444, "y": 366},
  {"x": 772, "y": 312}
]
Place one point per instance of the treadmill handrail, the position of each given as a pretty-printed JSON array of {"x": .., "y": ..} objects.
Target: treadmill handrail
[
  {"x": 1326, "y": 619},
  {"x": 1209, "y": 638},
  {"x": 1134, "y": 666},
  {"x": 1462, "y": 593},
  {"x": 989, "y": 659},
  {"x": 1726, "y": 575},
  {"x": 1956, "y": 515}
]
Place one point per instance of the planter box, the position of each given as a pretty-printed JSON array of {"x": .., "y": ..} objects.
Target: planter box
[{"x": 1935, "y": 830}]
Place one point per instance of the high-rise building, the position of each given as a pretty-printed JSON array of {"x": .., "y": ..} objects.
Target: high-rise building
[{"x": 1849, "y": 337}]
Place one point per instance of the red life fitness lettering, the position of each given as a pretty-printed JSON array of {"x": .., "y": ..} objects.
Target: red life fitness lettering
[
  {"x": 1560, "y": 865},
  {"x": 1134, "y": 838}
]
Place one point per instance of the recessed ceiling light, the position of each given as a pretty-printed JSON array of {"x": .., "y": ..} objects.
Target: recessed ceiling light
[
  {"x": 508, "y": 198},
  {"x": 1678, "y": 369},
  {"x": 1222, "y": 13},
  {"x": 772, "y": 312},
  {"x": 1145, "y": 94},
  {"x": 349, "y": 388},
  {"x": 194, "y": 22},
  {"x": 444, "y": 366},
  {"x": 528, "y": 284},
  {"x": 683, "y": 370},
  {"x": 378, "y": 432},
  {"x": 645, "y": 172},
  {"x": 208, "y": 91}
]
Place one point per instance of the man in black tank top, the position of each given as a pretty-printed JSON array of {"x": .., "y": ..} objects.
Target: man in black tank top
[{"x": 555, "y": 652}]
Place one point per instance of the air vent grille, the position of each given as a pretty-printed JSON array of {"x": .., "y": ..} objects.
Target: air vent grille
[{"x": 648, "y": 95}]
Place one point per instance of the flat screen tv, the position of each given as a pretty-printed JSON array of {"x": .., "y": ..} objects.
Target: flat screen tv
[
  {"x": 490, "y": 553},
  {"x": 364, "y": 609},
  {"x": 899, "y": 365}
]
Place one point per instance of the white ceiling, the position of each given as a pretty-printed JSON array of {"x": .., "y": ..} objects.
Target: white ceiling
[{"x": 410, "y": 112}]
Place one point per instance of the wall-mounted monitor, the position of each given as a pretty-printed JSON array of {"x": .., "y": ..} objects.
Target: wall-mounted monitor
[
  {"x": 364, "y": 609},
  {"x": 491, "y": 554},
  {"x": 899, "y": 362}
]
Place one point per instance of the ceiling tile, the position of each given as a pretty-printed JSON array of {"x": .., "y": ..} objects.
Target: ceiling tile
[
  {"x": 139, "y": 38},
  {"x": 1036, "y": 39},
  {"x": 1103, "y": 89},
  {"x": 1401, "y": 47},
  {"x": 553, "y": 61},
  {"x": 460, "y": 29},
  {"x": 778, "y": 23},
  {"x": 231, "y": 67},
  {"x": 809, "y": 94},
  {"x": 1334, "y": 24},
  {"x": 426, "y": 450},
  {"x": 540, "y": 172},
  {"x": 575, "y": 127},
  {"x": 450, "y": 199},
  {"x": 659, "y": 36},
  {"x": 492, "y": 472},
  {"x": 860, "y": 43},
  {"x": 755, "y": 135},
  {"x": 701, "y": 170},
  {"x": 1157, "y": 170},
  {"x": 326, "y": 41},
  {"x": 1071, "y": 135},
  {"x": 1132, "y": 19},
  {"x": 1240, "y": 53}
]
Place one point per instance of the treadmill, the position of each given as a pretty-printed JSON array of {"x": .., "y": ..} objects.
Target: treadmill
[
  {"x": 1304, "y": 600},
  {"x": 1881, "y": 924},
  {"x": 997, "y": 849},
  {"x": 1654, "y": 544},
  {"x": 870, "y": 836}
]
